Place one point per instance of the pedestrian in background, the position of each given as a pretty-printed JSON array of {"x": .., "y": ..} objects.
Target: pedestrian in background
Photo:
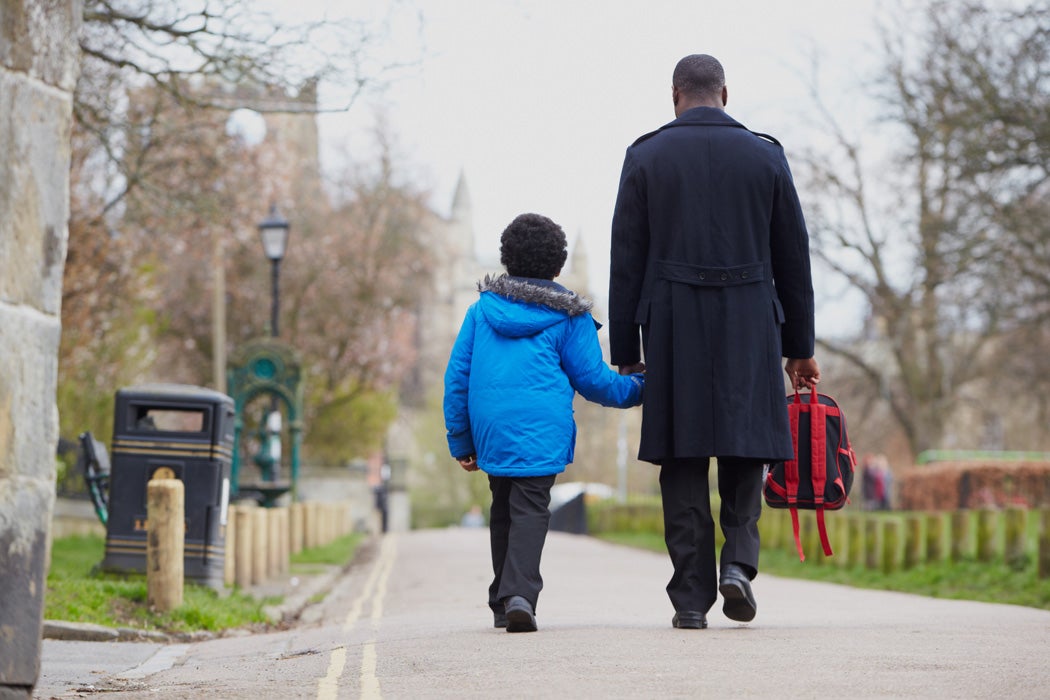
[
  {"x": 710, "y": 260},
  {"x": 525, "y": 348}
]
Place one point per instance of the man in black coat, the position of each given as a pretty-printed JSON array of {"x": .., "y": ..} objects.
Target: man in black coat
[{"x": 710, "y": 260}]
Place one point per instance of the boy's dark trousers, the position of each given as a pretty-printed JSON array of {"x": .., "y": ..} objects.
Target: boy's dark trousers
[
  {"x": 518, "y": 524},
  {"x": 689, "y": 529}
]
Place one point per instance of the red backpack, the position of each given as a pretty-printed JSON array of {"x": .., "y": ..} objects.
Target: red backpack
[{"x": 821, "y": 475}]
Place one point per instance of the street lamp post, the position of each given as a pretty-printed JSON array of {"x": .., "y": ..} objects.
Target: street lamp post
[{"x": 273, "y": 231}]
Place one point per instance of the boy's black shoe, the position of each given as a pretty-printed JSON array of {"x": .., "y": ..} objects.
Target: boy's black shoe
[
  {"x": 499, "y": 618},
  {"x": 738, "y": 602},
  {"x": 519, "y": 614},
  {"x": 689, "y": 620}
]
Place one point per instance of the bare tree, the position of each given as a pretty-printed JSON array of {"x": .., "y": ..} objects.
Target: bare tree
[
  {"x": 176, "y": 47},
  {"x": 967, "y": 111},
  {"x": 156, "y": 179}
]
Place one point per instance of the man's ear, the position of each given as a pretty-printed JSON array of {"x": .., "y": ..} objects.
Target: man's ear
[
  {"x": 674, "y": 95},
  {"x": 725, "y": 96}
]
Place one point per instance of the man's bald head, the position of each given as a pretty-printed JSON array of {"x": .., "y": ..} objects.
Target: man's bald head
[{"x": 698, "y": 80}]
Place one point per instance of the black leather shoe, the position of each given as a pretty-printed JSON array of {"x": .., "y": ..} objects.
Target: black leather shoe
[
  {"x": 689, "y": 620},
  {"x": 520, "y": 617},
  {"x": 738, "y": 602},
  {"x": 499, "y": 618}
]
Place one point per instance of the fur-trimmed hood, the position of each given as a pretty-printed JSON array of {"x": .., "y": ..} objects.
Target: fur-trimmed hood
[
  {"x": 519, "y": 306},
  {"x": 531, "y": 291}
]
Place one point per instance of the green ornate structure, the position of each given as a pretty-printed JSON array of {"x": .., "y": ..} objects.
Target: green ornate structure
[{"x": 266, "y": 367}]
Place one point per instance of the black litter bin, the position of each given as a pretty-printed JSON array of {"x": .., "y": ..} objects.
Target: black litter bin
[{"x": 171, "y": 431}]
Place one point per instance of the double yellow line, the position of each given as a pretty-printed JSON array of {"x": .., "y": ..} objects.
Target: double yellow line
[{"x": 374, "y": 591}]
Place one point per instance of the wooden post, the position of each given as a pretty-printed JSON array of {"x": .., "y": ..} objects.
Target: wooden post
[
  {"x": 229, "y": 571},
  {"x": 871, "y": 542},
  {"x": 310, "y": 525},
  {"x": 1016, "y": 526},
  {"x": 286, "y": 540},
  {"x": 891, "y": 538},
  {"x": 855, "y": 523},
  {"x": 934, "y": 538},
  {"x": 260, "y": 546},
  {"x": 165, "y": 542},
  {"x": 1044, "y": 543},
  {"x": 774, "y": 528},
  {"x": 810, "y": 537},
  {"x": 987, "y": 531},
  {"x": 960, "y": 545},
  {"x": 273, "y": 522},
  {"x": 245, "y": 548},
  {"x": 296, "y": 528},
  {"x": 912, "y": 541}
]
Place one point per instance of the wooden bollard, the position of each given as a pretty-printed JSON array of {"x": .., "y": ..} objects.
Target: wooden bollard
[
  {"x": 934, "y": 538},
  {"x": 871, "y": 543},
  {"x": 1016, "y": 526},
  {"x": 331, "y": 515},
  {"x": 295, "y": 528},
  {"x": 912, "y": 541},
  {"x": 229, "y": 570},
  {"x": 273, "y": 531},
  {"x": 987, "y": 532},
  {"x": 286, "y": 540},
  {"x": 260, "y": 546},
  {"x": 810, "y": 538},
  {"x": 891, "y": 539},
  {"x": 165, "y": 543},
  {"x": 960, "y": 545},
  {"x": 855, "y": 524},
  {"x": 244, "y": 554},
  {"x": 768, "y": 524},
  {"x": 332, "y": 522},
  {"x": 310, "y": 524},
  {"x": 1044, "y": 543}
]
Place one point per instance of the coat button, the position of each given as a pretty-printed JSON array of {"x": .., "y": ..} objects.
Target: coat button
[
  {"x": 701, "y": 276},
  {"x": 743, "y": 275},
  {"x": 725, "y": 276}
]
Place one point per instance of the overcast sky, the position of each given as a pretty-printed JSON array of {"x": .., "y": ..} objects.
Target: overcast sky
[{"x": 536, "y": 101}]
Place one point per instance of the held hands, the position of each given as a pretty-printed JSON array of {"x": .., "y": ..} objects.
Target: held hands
[
  {"x": 803, "y": 373},
  {"x": 469, "y": 464},
  {"x": 637, "y": 368}
]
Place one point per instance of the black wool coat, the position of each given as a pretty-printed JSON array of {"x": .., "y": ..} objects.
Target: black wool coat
[{"x": 710, "y": 261}]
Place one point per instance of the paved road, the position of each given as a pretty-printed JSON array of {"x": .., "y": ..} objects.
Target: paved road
[{"x": 410, "y": 621}]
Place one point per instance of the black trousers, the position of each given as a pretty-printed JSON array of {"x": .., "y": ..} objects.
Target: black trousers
[
  {"x": 518, "y": 524},
  {"x": 689, "y": 527}
]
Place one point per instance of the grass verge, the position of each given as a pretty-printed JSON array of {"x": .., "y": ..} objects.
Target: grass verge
[
  {"x": 992, "y": 582},
  {"x": 76, "y": 592}
]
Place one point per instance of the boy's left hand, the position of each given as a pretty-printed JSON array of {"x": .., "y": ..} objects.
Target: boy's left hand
[{"x": 469, "y": 464}]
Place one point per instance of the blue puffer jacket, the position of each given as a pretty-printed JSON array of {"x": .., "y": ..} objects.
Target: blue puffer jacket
[{"x": 525, "y": 348}]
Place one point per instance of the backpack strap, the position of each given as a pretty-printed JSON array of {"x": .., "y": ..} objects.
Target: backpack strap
[
  {"x": 819, "y": 451},
  {"x": 791, "y": 476}
]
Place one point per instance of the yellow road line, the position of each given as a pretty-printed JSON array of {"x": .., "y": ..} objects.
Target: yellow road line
[
  {"x": 373, "y": 591},
  {"x": 328, "y": 689},
  {"x": 369, "y": 682}
]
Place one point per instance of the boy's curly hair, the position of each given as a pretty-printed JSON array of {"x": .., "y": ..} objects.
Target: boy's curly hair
[{"x": 533, "y": 246}]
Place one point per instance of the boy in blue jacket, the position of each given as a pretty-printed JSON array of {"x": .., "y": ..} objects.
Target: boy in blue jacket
[{"x": 525, "y": 348}]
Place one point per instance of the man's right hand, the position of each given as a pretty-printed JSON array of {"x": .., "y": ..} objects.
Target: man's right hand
[
  {"x": 803, "y": 373},
  {"x": 636, "y": 368}
]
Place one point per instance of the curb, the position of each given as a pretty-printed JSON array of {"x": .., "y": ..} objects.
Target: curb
[{"x": 299, "y": 592}]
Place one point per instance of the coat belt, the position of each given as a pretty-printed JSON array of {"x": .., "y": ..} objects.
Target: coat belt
[{"x": 699, "y": 276}]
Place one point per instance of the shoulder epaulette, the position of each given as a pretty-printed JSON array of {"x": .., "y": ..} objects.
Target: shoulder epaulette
[
  {"x": 767, "y": 137},
  {"x": 643, "y": 137}
]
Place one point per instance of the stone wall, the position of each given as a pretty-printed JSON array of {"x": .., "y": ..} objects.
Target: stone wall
[{"x": 39, "y": 64}]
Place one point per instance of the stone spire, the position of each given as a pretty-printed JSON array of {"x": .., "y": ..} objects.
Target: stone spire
[
  {"x": 462, "y": 209},
  {"x": 461, "y": 223}
]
